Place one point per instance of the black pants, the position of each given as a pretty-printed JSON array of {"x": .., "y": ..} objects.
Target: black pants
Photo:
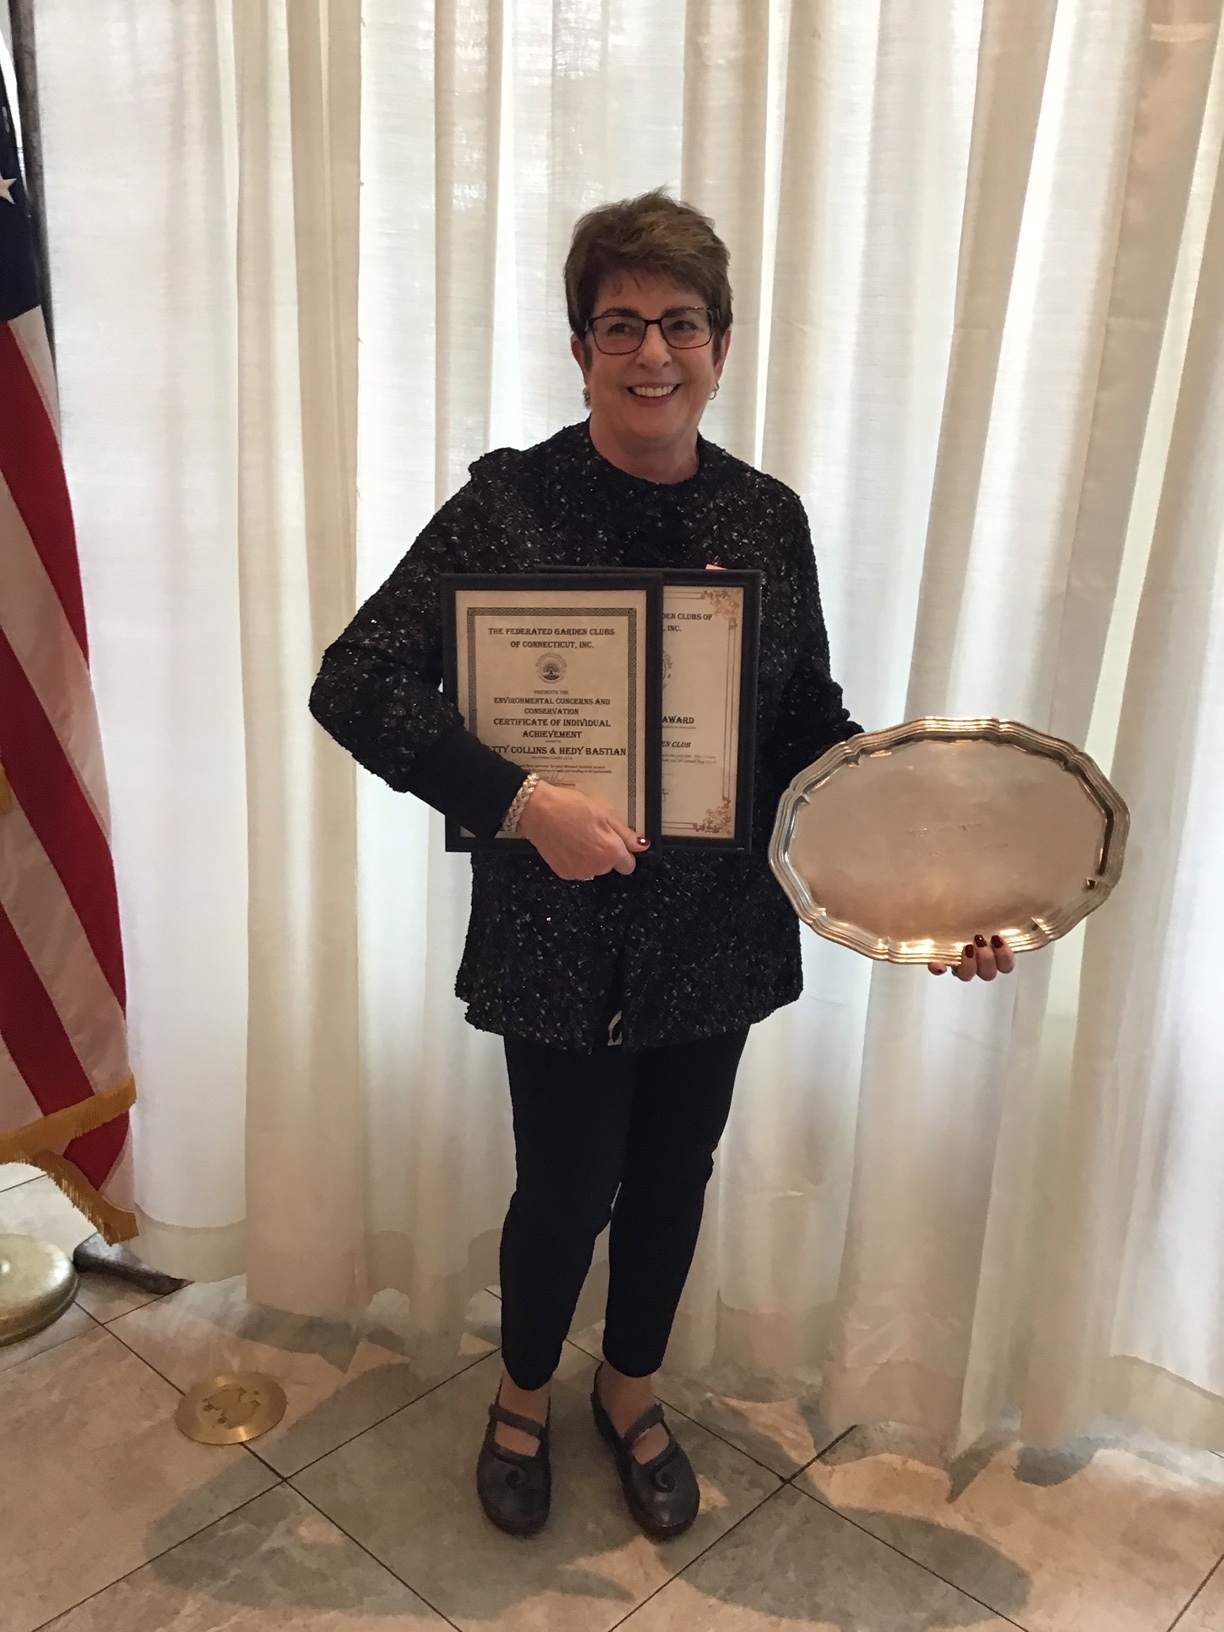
[{"x": 612, "y": 1135}]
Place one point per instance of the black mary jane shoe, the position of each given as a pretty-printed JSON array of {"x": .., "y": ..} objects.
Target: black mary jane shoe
[
  {"x": 514, "y": 1490},
  {"x": 661, "y": 1494}
]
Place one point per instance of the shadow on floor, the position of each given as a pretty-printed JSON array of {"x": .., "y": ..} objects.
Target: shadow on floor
[{"x": 300, "y": 1562}]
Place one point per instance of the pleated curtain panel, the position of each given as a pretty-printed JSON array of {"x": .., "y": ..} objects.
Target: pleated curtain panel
[{"x": 306, "y": 263}]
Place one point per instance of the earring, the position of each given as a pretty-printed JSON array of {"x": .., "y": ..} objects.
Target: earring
[{"x": 714, "y": 393}]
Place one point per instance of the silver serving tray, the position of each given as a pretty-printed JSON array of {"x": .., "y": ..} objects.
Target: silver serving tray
[{"x": 904, "y": 844}]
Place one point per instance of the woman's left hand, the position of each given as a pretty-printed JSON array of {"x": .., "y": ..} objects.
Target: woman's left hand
[{"x": 981, "y": 959}]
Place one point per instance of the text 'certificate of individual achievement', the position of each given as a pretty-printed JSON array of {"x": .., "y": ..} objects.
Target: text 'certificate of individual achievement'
[
  {"x": 561, "y": 675},
  {"x": 711, "y": 626}
]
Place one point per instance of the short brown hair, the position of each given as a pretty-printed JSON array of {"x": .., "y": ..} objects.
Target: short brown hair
[{"x": 653, "y": 234}]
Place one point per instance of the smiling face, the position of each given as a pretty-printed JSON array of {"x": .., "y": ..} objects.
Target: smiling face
[{"x": 646, "y": 405}]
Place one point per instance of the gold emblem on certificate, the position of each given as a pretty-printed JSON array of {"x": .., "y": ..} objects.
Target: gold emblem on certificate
[
  {"x": 903, "y": 844},
  {"x": 560, "y": 672}
]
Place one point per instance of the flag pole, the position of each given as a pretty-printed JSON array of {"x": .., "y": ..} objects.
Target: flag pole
[{"x": 25, "y": 68}]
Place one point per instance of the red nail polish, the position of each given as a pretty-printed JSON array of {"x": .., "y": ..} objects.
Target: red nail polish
[
  {"x": 969, "y": 949},
  {"x": 643, "y": 843},
  {"x": 996, "y": 941},
  {"x": 979, "y": 940}
]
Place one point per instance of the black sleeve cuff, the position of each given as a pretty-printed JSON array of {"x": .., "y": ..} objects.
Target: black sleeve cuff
[{"x": 466, "y": 781}]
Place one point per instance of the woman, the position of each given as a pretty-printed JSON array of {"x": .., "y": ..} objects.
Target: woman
[{"x": 623, "y": 982}]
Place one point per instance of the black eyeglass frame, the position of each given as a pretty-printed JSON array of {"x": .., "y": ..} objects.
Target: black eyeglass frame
[{"x": 649, "y": 323}]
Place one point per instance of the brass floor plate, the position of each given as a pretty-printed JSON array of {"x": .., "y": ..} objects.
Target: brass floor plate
[{"x": 230, "y": 1409}]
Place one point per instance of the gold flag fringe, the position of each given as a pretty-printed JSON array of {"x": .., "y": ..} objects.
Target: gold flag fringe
[
  {"x": 115, "y": 1223},
  {"x": 43, "y": 1141}
]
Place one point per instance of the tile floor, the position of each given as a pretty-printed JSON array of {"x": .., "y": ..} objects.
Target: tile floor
[{"x": 357, "y": 1513}]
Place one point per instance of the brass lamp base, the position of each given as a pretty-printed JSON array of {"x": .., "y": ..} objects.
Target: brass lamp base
[{"x": 37, "y": 1284}]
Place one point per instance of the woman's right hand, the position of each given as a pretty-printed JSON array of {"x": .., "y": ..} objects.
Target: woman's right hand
[{"x": 578, "y": 836}]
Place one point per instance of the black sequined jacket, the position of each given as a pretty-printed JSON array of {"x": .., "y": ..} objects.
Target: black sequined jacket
[{"x": 690, "y": 944}]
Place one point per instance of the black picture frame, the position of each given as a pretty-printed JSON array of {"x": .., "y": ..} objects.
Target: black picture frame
[{"x": 552, "y": 582}]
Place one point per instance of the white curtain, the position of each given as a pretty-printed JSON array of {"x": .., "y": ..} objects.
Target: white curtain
[{"x": 306, "y": 266}]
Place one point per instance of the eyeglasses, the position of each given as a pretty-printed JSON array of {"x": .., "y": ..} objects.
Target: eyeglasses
[{"x": 683, "y": 328}]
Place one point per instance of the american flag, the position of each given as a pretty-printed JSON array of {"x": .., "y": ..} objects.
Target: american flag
[{"x": 65, "y": 1083}]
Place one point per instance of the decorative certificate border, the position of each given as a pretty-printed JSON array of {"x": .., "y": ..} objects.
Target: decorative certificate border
[
  {"x": 736, "y": 596},
  {"x": 563, "y": 594}
]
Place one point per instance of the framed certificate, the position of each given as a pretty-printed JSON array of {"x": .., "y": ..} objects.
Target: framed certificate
[
  {"x": 561, "y": 674},
  {"x": 711, "y": 628}
]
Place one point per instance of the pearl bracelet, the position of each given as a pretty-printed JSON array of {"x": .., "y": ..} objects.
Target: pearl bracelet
[{"x": 518, "y": 804}]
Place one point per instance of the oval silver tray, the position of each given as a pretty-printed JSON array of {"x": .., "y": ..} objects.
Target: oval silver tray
[{"x": 903, "y": 844}]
